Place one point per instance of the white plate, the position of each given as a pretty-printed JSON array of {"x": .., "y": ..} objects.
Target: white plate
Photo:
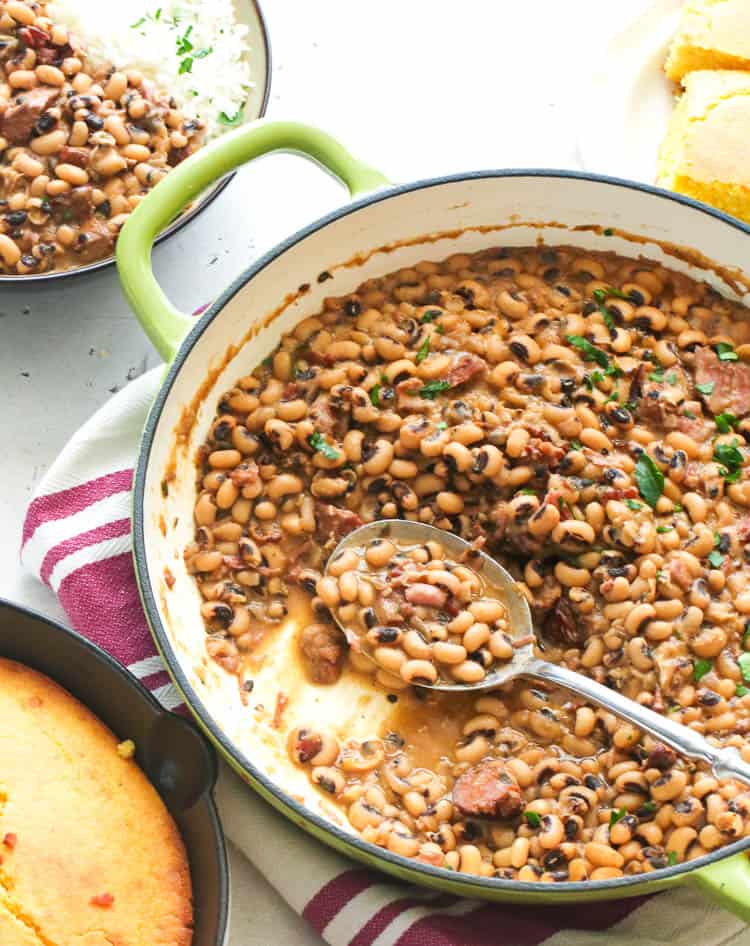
[{"x": 631, "y": 99}]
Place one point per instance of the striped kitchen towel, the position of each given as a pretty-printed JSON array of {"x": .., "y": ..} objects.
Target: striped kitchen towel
[{"x": 76, "y": 539}]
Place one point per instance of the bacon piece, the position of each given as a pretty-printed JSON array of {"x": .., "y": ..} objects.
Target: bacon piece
[
  {"x": 487, "y": 790},
  {"x": 464, "y": 367},
  {"x": 428, "y": 595},
  {"x": 334, "y": 522},
  {"x": 731, "y": 381}
]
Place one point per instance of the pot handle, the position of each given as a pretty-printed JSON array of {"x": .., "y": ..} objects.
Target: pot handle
[
  {"x": 164, "y": 324},
  {"x": 728, "y": 883}
]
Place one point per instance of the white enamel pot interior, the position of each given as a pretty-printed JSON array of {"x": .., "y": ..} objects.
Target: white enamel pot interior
[{"x": 391, "y": 229}]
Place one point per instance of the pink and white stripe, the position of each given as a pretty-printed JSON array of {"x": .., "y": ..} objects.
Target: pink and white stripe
[{"x": 76, "y": 539}]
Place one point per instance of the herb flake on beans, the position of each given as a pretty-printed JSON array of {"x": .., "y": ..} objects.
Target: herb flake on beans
[
  {"x": 424, "y": 350},
  {"x": 672, "y": 858},
  {"x": 707, "y": 388},
  {"x": 375, "y": 395},
  {"x": 731, "y": 459},
  {"x": 725, "y": 422},
  {"x": 726, "y": 352},
  {"x": 741, "y": 690},
  {"x": 317, "y": 442},
  {"x": 633, "y": 504},
  {"x": 590, "y": 352},
  {"x": 701, "y": 668},
  {"x": 743, "y": 662},
  {"x": 715, "y": 559},
  {"x": 430, "y": 315},
  {"x": 649, "y": 478},
  {"x": 533, "y": 818},
  {"x": 431, "y": 390},
  {"x": 616, "y": 815}
]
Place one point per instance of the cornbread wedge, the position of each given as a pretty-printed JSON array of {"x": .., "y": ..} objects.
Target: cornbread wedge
[
  {"x": 713, "y": 34},
  {"x": 89, "y": 855},
  {"x": 704, "y": 154}
]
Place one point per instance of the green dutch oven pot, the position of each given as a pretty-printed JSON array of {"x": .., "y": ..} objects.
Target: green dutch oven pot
[{"x": 383, "y": 229}]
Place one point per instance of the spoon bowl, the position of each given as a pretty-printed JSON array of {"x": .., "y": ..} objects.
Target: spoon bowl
[
  {"x": 725, "y": 762},
  {"x": 416, "y": 533}
]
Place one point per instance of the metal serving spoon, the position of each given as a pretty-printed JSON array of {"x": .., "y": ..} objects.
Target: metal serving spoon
[{"x": 725, "y": 763}]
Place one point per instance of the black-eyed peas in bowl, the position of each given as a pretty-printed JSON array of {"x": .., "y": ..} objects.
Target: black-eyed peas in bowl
[
  {"x": 421, "y": 615},
  {"x": 583, "y": 418}
]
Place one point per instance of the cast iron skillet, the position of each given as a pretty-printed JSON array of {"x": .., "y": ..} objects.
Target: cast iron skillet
[
  {"x": 169, "y": 749},
  {"x": 260, "y": 100}
]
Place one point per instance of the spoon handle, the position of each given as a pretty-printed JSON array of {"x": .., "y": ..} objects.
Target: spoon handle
[{"x": 725, "y": 763}]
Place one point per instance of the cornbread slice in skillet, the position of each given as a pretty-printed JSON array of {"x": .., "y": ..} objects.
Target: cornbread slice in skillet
[
  {"x": 704, "y": 153},
  {"x": 713, "y": 34},
  {"x": 90, "y": 855}
]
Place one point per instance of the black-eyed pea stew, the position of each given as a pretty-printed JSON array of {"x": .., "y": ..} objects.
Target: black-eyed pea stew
[
  {"x": 422, "y": 616},
  {"x": 583, "y": 418},
  {"x": 80, "y": 145}
]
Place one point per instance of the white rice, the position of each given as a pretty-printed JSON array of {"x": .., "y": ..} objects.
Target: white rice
[{"x": 193, "y": 50}]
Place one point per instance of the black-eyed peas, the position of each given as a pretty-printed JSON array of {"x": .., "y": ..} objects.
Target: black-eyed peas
[
  {"x": 513, "y": 434},
  {"x": 74, "y": 127},
  {"x": 443, "y": 611}
]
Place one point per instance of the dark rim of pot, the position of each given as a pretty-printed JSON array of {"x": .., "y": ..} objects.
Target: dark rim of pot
[
  {"x": 473, "y": 885},
  {"x": 184, "y": 218},
  {"x": 111, "y": 666}
]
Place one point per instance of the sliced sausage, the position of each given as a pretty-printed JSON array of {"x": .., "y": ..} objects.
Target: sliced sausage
[
  {"x": 487, "y": 790},
  {"x": 323, "y": 651},
  {"x": 561, "y": 624}
]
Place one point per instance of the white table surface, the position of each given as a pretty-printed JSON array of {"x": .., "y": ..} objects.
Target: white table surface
[{"x": 417, "y": 88}]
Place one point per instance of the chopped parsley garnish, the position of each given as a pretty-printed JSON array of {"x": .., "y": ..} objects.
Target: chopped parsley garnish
[
  {"x": 375, "y": 395},
  {"x": 689, "y": 414},
  {"x": 715, "y": 559},
  {"x": 731, "y": 459},
  {"x": 590, "y": 352},
  {"x": 726, "y": 352},
  {"x": 317, "y": 442},
  {"x": 430, "y": 315},
  {"x": 648, "y": 806},
  {"x": 662, "y": 529},
  {"x": 725, "y": 422},
  {"x": 633, "y": 504},
  {"x": 671, "y": 378},
  {"x": 431, "y": 390},
  {"x": 743, "y": 662},
  {"x": 533, "y": 818},
  {"x": 616, "y": 815},
  {"x": 441, "y": 426},
  {"x": 424, "y": 350},
  {"x": 701, "y": 668},
  {"x": 672, "y": 858},
  {"x": 741, "y": 690},
  {"x": 608, "y": 231},
  {"x": 231, "y": 121},
  {"x": 527, "y": 492},
  {"x": 649, "y": 478},
  {"x": 576, "y": 445},
  {"x": 706, "y": 388},
  {"x": 677, "y": 507},
  {"x": 184, "y": 46},
  {"x": 656, "y": 375},
  {"x": 614, "y": 371}
]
